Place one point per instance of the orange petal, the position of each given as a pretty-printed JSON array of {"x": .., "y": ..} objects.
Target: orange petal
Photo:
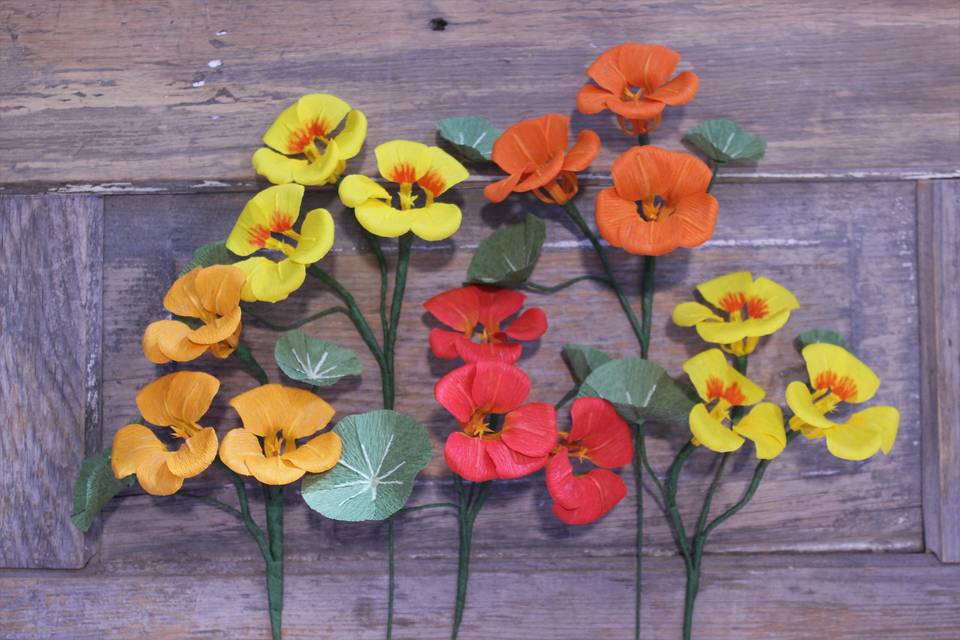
[
  {"x": 155, "y": 477},
  {"x": 225, "y": 348},
  {"x": 695, "y": 219},
  {"x": 133, "y": 445},
  {"x": 180, "y": 299},
  {"x": 218, "y": 288},
  {"x": 271, "y": 408},
  {"x": 499, "y": 190},
  {"x": 238, "y": 446},
  {"x": 642, "y": 109},
  {"x": 195, "y": 454},
  {"x": 680, "y": 90},
  {"x": 273, "y": 470},
  {"x": 217, "y": 329},
  {"x": 592, "y": 99},
  {"x": 544, "y": 174},
  {"x": 183, "y": 396},
  {"x": 583, "y": 152},
  {"x": 647, "y": 66},
  {"x": 318, "y": 455},
  {"x": 167, "y": 340},
  {"x": 606, "y": 72},
  {"x": 616, "y": 216}
]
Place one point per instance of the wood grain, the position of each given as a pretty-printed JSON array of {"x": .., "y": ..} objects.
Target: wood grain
[
  {"x": 50, "y": 372},
  {"x": 108, "y": 97},
  {"x": 939, "y": 257}
]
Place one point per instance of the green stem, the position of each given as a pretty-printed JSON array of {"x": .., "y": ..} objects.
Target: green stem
[
  {"x": 639, "y": 452},
  {"x": 244, "y": 355},
  {"x": 670, "y": 499},
  {"x": 391, "y": 575},
  {"x": 646, "y": 289},
  {"x": 374, "y": 243},
  {"x": 643, "y": 139},
  {"x": 470, "y": 502},
  {"x": 274, "y": 326},
  {"x": 273, "y": 499},
  {"x": 223, "y": 506},
  {"x": 390, "y": 339},
  {"x": 713, "y": 175},
  {"x": 431, "y": 505},
  {"x": 543, "y": 288},
  {"x": 708, "y": 500},
  {"x": 567, "y": 397}
]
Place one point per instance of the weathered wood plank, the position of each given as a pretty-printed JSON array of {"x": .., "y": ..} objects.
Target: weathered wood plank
[
  {"x": 101, "y": 95},
  {"x": 50, "y": 371},
  {"x": 938, "y": 250},
  {"x": 824, "y": 240},
  {"x": 798, "y": 597}
]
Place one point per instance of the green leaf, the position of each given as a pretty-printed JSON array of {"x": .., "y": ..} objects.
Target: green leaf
[
  {"x": 819, "y": 335},
  {"x": 725, "y": 141},
  {"x": 640, "y": 390},
  {"x": 383, "y": 451},
  {"x": 313, "y": 360},
  {"x": 95, "y": 486},
  {"x": 583, "y": 360},
  {"x": 208, "y": 255},
  {"x": 507, "y": 256},
  {"x": 472, "y": 137}
]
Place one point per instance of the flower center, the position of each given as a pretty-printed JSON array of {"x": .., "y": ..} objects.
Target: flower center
[
  {"x": 655, "y": 208},
  {"x": 482, "y": 424},
  {"x": 843, "y": 388},
  {"x": 275, "y": 445},
  {"x": 184, "y": 429},
  {"x": 736, "y": 303}
]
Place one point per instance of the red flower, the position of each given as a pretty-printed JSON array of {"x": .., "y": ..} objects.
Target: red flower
[
  {"x": 501, "y": 437},
  {"x": 601, "y": 436},
  {"x": 465, "y": 308}
]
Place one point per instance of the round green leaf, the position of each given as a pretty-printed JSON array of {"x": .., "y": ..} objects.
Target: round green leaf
[
  {"x": 583, "y": 359},
  {"x": 725, "y": 141},
  {"x": 640, "y": 390},
  {"x": 507, "y": 256},
  {"x": 472, "y": 137},
  {"x": 383, "y": 451},
  {"x": 314, "y": 361},
  {"x": 819, "y": 335}
]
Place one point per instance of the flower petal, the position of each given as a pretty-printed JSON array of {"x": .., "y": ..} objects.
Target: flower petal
[
  {"x": 237, "y": 447},
  {"x": 318, "y": 455},
  {"x": 444, "y": 172},
  {"x": 641, "y": 109},
  {"x": 269, "y": 281},
  {"x": 156, "y": 478},
  {"x": 467, "y": 457},
  {"x": 833, "y": 361},
  {"x": 321, "y": 170},
  {"x": 711, "y": 433},
  {"x": 531, "y": 324},
  {"x": 380, "y": 219},
  {"x": 647, "y": 66},
  {"x": 499, "y": 190},
  {"x": 776, "y": 298},
  {"x": 276, "y": 167},
  {"x": 694, "y": 219},
  {"x": 592, "y": 99},
  {"x": 496, "y": 305},
  {"x": 688, "y": 314},
  {"x": 184, "y": 396},
  {"x": 403, "y": 161},
  {"x": 180, "y": 298},
  {"x": 272, "y": 210},
  {"x": 350, "y": 139},
  {"x": 316, "y": 237},
  {"x": 454, "y": 392},
  {"x": 499, "y": 387},
  {"x": 217, "y": 330},
  {"x": 583, "y": 152},
  {"x": 434, "y": 222},
  {"x": 511, "y": 464},
  {"x": 470, "y": 351},
  {"x": 356, "y": 189},
  {"x": 218, "y": 288},
  {"x": 133, "y": 445},
  {"x": 531, "y": 429},
  {"x": 195, "y": 454},
  {"x": 709, "y": 369},
  {"x": 457, "y": 308},
  {"x": 581, "y": 499},
  {"x": 728, "y": 292},
  {"x": 321, "y": 113},
  {"x": 272, "y": 408},
  {"x": 598, "y": 427},
  {"x": 764, "y": 427},
  {"x": 801, "y": 403},
  {"x": 166, "y": 340},
  {"x": 273, "y": 470},
  {"x": 533, "y": 146},
  {"x": 443, "y": 343},
  {"x": 680, "y": 90}
]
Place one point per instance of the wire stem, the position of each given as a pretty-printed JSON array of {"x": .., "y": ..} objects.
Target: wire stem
[
  {"x": 543, "y": 288},
  {"x": 275, "y": 326}
]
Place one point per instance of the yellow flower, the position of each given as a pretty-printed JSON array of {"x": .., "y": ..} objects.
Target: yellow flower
[
  {"x": 836, "y": 376},
  {"x": 280, "y": 415},
  {"x": 210, "y": 294},
  {"x": 767, "y": 306},
  {"x": 275, "y": 210},
  {"x": 716, "y": 381},
  {"x": 177, "y": 401},
  {"x": 296, "y": 132},
  {"x": 407, "y": 164}
]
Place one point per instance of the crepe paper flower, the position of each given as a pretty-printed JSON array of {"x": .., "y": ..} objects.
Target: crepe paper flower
[
  {"x": 177, "y": 401},
  {"x": 717, "y": 382},
  {"x": 633, "y": 81},
  {"x": 407, "y": 163},
  {"x": 212, "y": 296},
  {"x": 836, "y": 377},
  {"x": 534, "y": 153},
  {"x": 274, "y": 417},
  {"x": 501, "y": 436},
  {"x": 272, "y": 212},
  {"x": 467, "y": 308},
  {"x": 312, "y": 118},
  {"x": 598, "y": 435},
  {"x": 674, "y": 209},
  {"x": 754, "y": 308}
]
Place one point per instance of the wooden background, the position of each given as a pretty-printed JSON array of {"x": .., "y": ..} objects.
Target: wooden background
[{"x": 126, "y": 131}]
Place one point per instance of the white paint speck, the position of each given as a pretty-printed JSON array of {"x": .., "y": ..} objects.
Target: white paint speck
[
  {"x": 213, "y": 64},
  {"x": 221, "y": 33},
  {"x": 199, "y": 83}
]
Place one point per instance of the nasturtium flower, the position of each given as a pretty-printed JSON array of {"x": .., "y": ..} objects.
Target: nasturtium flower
[
  {"x": 600, "y": 436},
  {"x": 177, "y": 401},
  {"x": 674, "y": 209},
  {"x": 274, "y": 212},
  {"x": 836, "y": 377},
  {"x": 407, "y": 163},
  {"x": 754, "y": 308},
  {"x": 274, "y": 417},
  {"x": 501, "y": 436},
  {"x": 212, "y": 296},
  {"x": 311, "y": 119},
  {"x": 534, "y": 153},
  {"x": 633, "y": 81},
  {"x": 723, "y": 386},
  {"x": 468, "y": 308}
]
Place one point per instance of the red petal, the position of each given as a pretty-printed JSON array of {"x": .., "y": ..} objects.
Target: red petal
[
  {"x": 467, "y": 457},
  {"x": 443, "y": 343},
  {"x": 601, "y": 490},
  {"x": 531, "y": 324},
  {"x": 457, "y": 308},
  {"x": 454, "y": 392},
  {"x": 511, "y": 464},
  {"x": 531, "y": 429},
  {"x": 471, "y": 351},
  {"x": 560, "y": 483},
  {"x": 498, "y": 387},
  {"x": 496, "y": 305},
  {"x": 598, "y": 426}
]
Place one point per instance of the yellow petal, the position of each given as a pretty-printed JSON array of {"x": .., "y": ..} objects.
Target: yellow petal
[
  {"x": 166, "y": 340},
  {"x": 273, "y": 470},
  {"x": 776, "y": 297},
  {"x": 829, "y": 360},
  {"x": 180, "y": 298},
  {"x": 183, "y": 396},
  {"x": 316, "y": 237},
  {"x": 218, "y": 288},
  {"x": 318, "y": 455},
  {"x": 730, "y": 331},
  {"x": 764, "y": 427},
  {"x": 272, "y": 408},
  {"x": 849, "y": 442},
  {"x": 310, "y": 117},
  {"x": 882, "y": 420},
  {"x": 282, "y": 132},
  {"x": 716, "y": 290},
  {"x": 712, "y": 365},
  {"x": 276, "y": 167},
  {"x": 238, "y": 446},
  {"x": 434, "y": 222},
  {"x": 356, "y": 189},
  {"x": 711, "y": 433},
  {"x": 687, "y": 314},
  {"x": 155, "y": 477},
  {"x": 195, "y": 454},
  {"x": 270, "y": 281},
  {"x": 133, "y": 444},
  {"x": 402, "y": 161},
  {"x": 216, "y": 330},
  {"x": 444, "y": 172},
  {"x": 382, "y": 220},
  {"x": 328, "y": 111},
  {"x": 319, "y": 171},
  {"x": 273, "y": 209},
  {"x": 800, "y": 401},
  {"x": 350, "y": 139}
]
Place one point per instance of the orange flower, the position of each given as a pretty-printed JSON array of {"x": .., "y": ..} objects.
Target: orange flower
[
  {"x": 675, "y": 209},
  {"x": 633, "y": 81},
  {"x": 534, "y": 153}
]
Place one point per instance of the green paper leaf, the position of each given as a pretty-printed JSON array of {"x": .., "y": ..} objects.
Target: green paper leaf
[
  {"x": 383, "y": 451},
  {"x": 640, "y": 390},
  {"x": 472, "y": 137},
  {"x": 819, "y": 335},
  {"x": 507, "y": 256},
  {"x": 95, "y": 486},
  {"x": 209, "y": 255},
  {"x": 314, "y": 361},
  {"x": 583, "y": 360},
  {"x": 725, "y": 141}
]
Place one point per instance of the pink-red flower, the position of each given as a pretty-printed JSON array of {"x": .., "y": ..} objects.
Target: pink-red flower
[
  {"x": 598, "y": 435},
  {"x": 500, "y": 437},
  {"x": 478, "y": 311}
]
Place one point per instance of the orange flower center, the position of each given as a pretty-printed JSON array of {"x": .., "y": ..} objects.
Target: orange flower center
[
  {"x": 558, "y": 191},
  {"x": 483, "y": 425},
  {"x": 655, "y": 208},
  {"x": 301, "y": 140},
  {"x": 734, "y": 303},
  {"x": 841, "y": 386},
  {"x": 716, "y": 390},
  {"x": 281, "y": 223}
]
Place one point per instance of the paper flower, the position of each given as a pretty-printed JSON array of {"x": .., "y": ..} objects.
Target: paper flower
[
  {"x": 501, "y": 436},
  {"x": 717, "y": 382},
  {"x": 634, "y": 83},
  {"x": 274, "y": 417},
  {"x": 312, "y": 118},
  {"x": 178, "y": 401},
  {"x": 837, "y": 376},
  {"x": 534, "y": 153},
  {"x": 211, "y": 295},
  {"x": 675, "y": 209},
  {"x": 467, "y": 308},
  {"x": 407, "y": 164},
  {"x": 754, "y": 308},
  {"x": 274, "y": 211},
  {"x": 598, "y": 435}
]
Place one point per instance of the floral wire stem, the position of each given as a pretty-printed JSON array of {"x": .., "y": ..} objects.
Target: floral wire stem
[
  {"x": 244, "y": 355},
  {"x": 470, "y": 501},
  {"x": 273, "y": 326},
  {"x": 543, "y": 288}
]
